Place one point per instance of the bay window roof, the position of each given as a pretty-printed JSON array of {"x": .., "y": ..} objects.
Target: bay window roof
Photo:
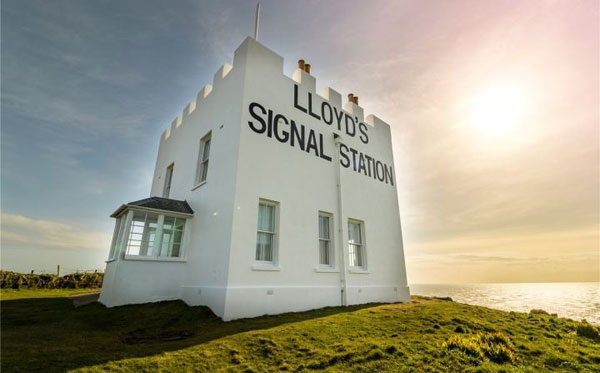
[{"x": 157, "y": 204}]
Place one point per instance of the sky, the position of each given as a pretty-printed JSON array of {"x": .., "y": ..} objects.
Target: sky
[{"x": 494, "y": 108}]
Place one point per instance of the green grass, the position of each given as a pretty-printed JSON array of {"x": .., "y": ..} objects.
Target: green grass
[
  {"x": 426, "y": 335},
  {"x": 8, "y": 294}
]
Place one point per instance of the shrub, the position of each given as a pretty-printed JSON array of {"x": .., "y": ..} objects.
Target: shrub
[
  {"x": 538, "y": 312},
  {"x": 14, "y": 280},
  {"x": 588, "y": 331},
  {"x": 495, "y": 347}
]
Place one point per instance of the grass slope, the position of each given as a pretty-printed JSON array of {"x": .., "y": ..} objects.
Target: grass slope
[
  {"x": 23, "y": 293},
  {"x": 425, "y": 335}
]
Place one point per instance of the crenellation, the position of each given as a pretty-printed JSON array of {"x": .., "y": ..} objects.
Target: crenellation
[
  {"x": 176, "y": 122},
  {"x": 189, "y": 109},
  {"x": 333, "y": 96},
  {"x": 374, "y": 121},
  {"x": 204, "y": 92},
  {"x": 355, "y": 110},
  {"x": 166, "y": 133},
  {"x": 306, "y": 80},
  {"x": 221, "y": 73}
]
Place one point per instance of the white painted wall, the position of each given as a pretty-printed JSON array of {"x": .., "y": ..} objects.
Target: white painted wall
[{"x": 245, "y": 166}]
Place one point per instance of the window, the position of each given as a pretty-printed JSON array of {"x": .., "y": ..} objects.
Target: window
[
  {"x": 172, "y": 235},
  {"x": 202, "y": 169},
  {"x": 168, "y": 178},
  {"x": 325, "y": 246},
  {"x": 154, "y": 235},
  {"x": 355, "y": 243},
  {"x": 117, "y": 234},
  {"x": 142, "y": 234},
  {"x": 266, "y": 232}
]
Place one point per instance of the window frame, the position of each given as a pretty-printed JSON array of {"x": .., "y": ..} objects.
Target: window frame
[
  {"x": 168, "y": 180},
  {"x": 203, "y": 163},
  {"x": 362, "y": 246},
  {"x": 330, "y": 240},
  {"x": 274, "y": 262}
]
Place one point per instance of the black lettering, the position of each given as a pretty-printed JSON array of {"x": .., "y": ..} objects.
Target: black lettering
[
  {"x": 260, "y": 120},
  {"x": 310, "y": 105},
  {"x": 380, "y": 175},
  {"x": 343, "y": 151},
  {"x": 322, "y": 149},
  {"x": 389, "y": 174},
  {"x": 284, "y": 135},
  {"x": 361, "y": 164},
  {"x": 369, "y": 159},
  {"x": 353, "y": 132},
  {"x": 312, "y": 143},
  {"x": 353, "y": 151},
  {"x": 270, "y": 124},
  {"x": 296, "y": 105},
  {"x": 363, "y": 132},
  {"x": 329, "y": 110},
  {"x": 297, "y": 135},
  {"x": 338, "y": 115}
]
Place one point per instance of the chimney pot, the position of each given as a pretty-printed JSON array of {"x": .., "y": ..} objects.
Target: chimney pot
[
  {"x": 350, "y": 97},
  {"x": 301, "y": 64},
  {"x": 356, "y": 100},
  {"x": 307, "y": 68}
]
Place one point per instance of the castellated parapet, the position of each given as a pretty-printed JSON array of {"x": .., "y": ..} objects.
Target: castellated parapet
[{"x": 307, "y": 81}]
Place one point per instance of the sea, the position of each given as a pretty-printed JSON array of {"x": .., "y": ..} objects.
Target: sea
[{"x": 577, "y": 301}]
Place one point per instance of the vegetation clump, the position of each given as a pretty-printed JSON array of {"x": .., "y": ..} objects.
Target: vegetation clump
[
  {"x": 588, "y": 331},
  {"x": 493, "y": 346},
  {"x": 538, "y": 312},
  {"x": 14, "y": 280}
]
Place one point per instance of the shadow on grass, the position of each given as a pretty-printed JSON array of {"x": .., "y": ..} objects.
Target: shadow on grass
[{"x": 49, "y": 334}]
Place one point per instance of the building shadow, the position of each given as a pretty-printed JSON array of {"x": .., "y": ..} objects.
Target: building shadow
[{"x": 50, "y": 334}]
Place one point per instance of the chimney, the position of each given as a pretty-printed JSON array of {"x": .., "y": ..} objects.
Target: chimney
[
  {"x": 301, "y": 64},
  {"x": 307, "y": 68}
]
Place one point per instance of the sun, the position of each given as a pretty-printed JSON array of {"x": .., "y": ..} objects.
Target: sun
[{"x": 498, "y": 110}]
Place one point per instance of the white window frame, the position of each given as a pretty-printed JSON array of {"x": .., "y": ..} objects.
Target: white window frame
[
  {"x": 168, "y": 180},
  {"x": 203, "y": 162},
  {"x": 275, "y": 247},
  {"x": 362, "y": 246},
  {"x": 330, "y": 240}
]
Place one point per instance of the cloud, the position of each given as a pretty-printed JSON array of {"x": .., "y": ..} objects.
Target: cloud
[{"x": 21, "y": 232}]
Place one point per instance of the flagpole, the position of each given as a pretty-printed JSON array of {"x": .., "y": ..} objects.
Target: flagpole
[{"x": 257, "y": 21}]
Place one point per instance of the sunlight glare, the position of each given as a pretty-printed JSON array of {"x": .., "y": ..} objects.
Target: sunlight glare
[{"x": 497, "y": 110}]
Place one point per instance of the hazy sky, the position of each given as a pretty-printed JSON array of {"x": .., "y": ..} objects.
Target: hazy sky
[{"x": 494, "y": 107}]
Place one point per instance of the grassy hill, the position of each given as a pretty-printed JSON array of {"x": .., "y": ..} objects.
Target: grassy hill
[{"x": 426, "y": 335}]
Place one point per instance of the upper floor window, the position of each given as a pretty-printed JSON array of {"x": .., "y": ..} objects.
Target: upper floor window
[
  {"x": 203, "y": 155},
  {"x": 266, "y": 240},
  {"x": 168, "y": 178},
  {"x": 356, "y": 243},
  {"x": 325, "y": 246}
]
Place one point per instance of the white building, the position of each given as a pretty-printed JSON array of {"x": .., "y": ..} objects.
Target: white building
[{"x": 269, "y": 198}]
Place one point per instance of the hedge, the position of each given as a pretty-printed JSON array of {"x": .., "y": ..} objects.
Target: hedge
[{"x": 14, "y": 280}]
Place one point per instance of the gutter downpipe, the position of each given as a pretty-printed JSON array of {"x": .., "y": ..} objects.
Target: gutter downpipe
[{"x": 337, "y": 141}]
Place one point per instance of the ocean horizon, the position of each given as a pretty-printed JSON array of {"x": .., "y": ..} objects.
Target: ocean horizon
[{"x": 574, "y": 300}]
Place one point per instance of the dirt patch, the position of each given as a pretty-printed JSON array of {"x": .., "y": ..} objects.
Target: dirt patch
[{"x": 139, "y": 336}]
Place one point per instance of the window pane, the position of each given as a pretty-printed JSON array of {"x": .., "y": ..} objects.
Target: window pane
[
  {"x": 166, "y": 243},
  {"x": 206, "y": 150},
  {"x": 355, "y": 256},
  {"x": 177, "y": 237},
  {"x": 179, "y": 223},
  {"x": 204, "y": 167},
  {"x": 354, "y": 233},
  {"x": 168, "y": 223},
  {"x": 175, "y": 251},
  {"x": 324, "y": 252},
  {"x": 264, "y": 247},
  {"x": 266, "y": 218},
  {"x": 324, "y": 227}
]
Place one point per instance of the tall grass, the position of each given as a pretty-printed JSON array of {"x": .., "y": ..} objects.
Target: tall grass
[{"x": 14, "y": 280}]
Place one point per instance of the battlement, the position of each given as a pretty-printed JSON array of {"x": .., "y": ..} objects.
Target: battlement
[{"x": 272, "y": 63}]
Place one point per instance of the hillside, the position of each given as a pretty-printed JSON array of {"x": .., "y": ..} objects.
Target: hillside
[{"x": 427, "y": 334}]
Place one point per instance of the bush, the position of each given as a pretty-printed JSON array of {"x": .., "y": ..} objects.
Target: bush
[
  {"x": 14, "y": 280},
  {"x": 538, "y": 312},
  {"x": 588, "y": 331},
  {"x": 495, "y": 347}
]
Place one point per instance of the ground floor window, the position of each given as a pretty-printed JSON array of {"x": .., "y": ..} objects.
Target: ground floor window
[
  {"x": 325, "y": 246},
  {"x": 356, "y": 243}
]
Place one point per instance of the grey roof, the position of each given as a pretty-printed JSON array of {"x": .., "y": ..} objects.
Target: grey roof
[{"x": 159, "y": 203}]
